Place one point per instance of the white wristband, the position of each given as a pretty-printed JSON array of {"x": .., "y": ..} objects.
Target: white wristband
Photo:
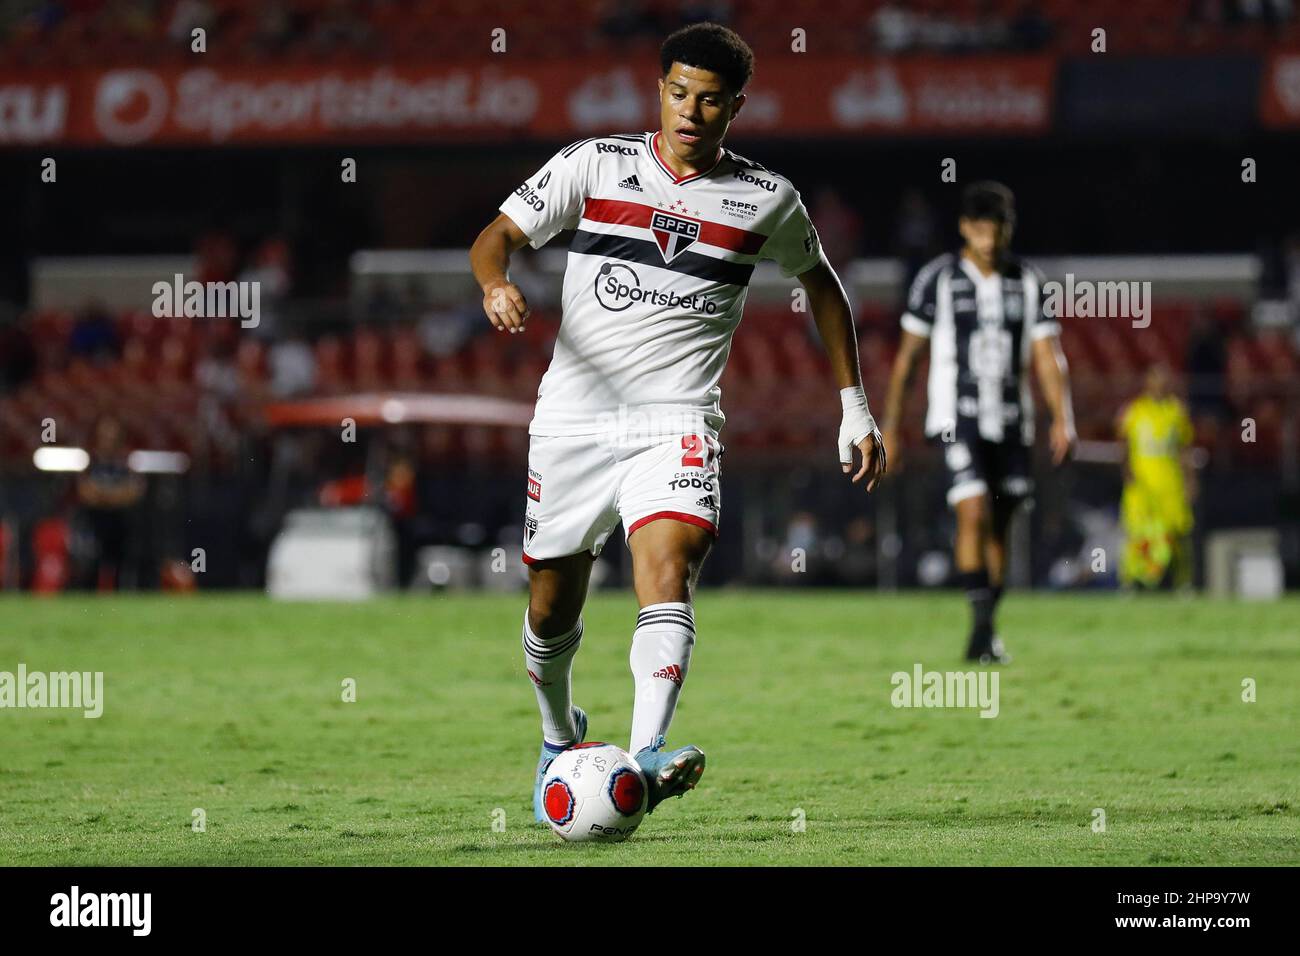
[{"x": 857, "y": 422}]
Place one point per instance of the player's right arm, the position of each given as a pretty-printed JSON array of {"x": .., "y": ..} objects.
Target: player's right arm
[
  {"x": 489, "y": 257},
  {"x": 548, "y": 202},
  {"x": 1054, "y": 377},
  {"x": 910, "y": 349},
  {"x": 917, "y": 323}
]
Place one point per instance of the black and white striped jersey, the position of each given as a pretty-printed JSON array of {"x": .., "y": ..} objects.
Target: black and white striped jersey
[{"x": 980, "y": 329}]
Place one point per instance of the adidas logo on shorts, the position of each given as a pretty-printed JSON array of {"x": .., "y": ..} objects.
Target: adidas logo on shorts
[
  {"x": 672, "y": 672},
  {"x": 632, "y": 183}
]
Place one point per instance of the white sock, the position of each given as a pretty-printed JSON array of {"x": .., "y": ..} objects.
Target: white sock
[
  {"x": 661, "y": 655},
  {"x": 550, "y": 667}
]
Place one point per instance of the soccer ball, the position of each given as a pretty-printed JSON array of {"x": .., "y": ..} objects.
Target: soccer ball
[{"x": 594, "y": 791}]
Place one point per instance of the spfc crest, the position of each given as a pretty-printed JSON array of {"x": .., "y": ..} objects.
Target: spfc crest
[{"x": 673, "y": 234}]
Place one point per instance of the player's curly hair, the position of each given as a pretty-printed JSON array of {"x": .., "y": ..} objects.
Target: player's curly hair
[
  {"x": 988, "y": 200},
  {"x": 712, "y": 47}
]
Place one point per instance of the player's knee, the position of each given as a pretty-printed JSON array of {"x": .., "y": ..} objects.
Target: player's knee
[
  {"x": 669, "y": 576},
  {"x": 972, "y": 513},
  {"x": 551, "y": 614}
]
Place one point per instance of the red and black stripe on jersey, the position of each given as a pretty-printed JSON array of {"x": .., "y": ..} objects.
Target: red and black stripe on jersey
[{"x": 646, "y": 252}]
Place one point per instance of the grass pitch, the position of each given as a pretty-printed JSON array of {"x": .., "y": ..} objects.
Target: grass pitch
[{"x": 233, "y": 705}]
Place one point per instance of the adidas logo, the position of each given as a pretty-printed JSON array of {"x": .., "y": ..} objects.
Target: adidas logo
[
  {"x": 672, "y": 672},
  {"x": 706, "y": 502},
  {"x": 632, "y": 183},
  {"x": 542, "y": 683}
]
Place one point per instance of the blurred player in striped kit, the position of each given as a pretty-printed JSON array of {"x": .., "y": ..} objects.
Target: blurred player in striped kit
[{"x": 980, "y": 313}]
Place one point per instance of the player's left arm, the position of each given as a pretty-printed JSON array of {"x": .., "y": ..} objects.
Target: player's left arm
[
  {"x": 834, "y": 318},
  {"x": 1053, "y": 374}
]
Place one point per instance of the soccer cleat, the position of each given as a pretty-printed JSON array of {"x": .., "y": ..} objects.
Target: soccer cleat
[
  {"x": 549, "y": 753},
  {"x": 669, "y": 774},
  {"x": 991, "y": 650}
]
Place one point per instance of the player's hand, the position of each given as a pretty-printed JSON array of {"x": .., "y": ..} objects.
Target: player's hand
[
  {"x": 858, "y": 428},
  {"x": 505, "y": 306},
  {"x": 873, "y": 460},
  {"x": 1062, "y": 441}
]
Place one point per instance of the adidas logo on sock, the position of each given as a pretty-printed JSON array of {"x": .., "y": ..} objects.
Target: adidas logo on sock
[
  {"x": 537, "y": 680},
  {"x": 672, "y": 672},
  {"x": 632, "y": 183}
]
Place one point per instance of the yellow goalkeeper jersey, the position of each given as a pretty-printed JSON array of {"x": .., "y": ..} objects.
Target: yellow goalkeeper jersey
[{"x": 1157, "y": 432}]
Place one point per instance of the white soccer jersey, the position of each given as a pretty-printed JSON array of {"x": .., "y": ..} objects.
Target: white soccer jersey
[{"x": 657, "y": 275}]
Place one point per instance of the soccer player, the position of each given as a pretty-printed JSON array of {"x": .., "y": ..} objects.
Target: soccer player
[
  {"x": 980, "y": 313},
  {"x": 1155, "y": 508},
  {"x": 669, "y": 226}
]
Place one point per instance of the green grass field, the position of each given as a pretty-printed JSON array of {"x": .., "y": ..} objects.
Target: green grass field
[{"x": 233, "y": 704}]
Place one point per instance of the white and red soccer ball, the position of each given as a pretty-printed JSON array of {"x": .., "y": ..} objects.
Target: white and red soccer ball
[{"x": 594, "y": 791}]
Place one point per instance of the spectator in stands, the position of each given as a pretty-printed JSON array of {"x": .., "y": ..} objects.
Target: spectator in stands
[
  {"x": 798, "y": 553},
  {"x": 130, "y": 20},
  {"x": 1291, "y": 273},
  {"x": 216, "y": 257},
  {"x": 217, "y": 375},
  {"x": 443, "y": 331},
  {"x": 18, "y": 359},
  {"x": 704, "y": 11},
  {"x": 108, "y": 493},
  {"x": 276, "y": 27},
  {"x": 292, "y": 367},
  {"x": 25, "y": 26},
  {"x": 269, "y": 266},
  {"x": 840, "y": 227},
  {"x": 190, "y": 15},
  {"x": 342, "y": 26},
  {"x": 855, "y": 553},
  {"x": 895, "y": 28},
  {"x": 629, "y": 20},
  {"x": 94, "y": 336},
  {"x": 915, "y": 235},
  {"x": 1029, "y": 29},
  {"x": 1207, "y": 369},
  {"x": 1258, "y": 11}
]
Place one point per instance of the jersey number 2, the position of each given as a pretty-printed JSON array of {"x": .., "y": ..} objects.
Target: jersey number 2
[{"x": 694, "y": 446}]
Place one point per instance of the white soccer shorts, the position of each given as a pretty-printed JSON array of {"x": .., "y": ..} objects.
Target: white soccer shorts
[{"x": 580, "y": 487}]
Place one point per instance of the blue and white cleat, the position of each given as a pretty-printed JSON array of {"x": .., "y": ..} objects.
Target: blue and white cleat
[
  {"x": 549, "y": 753},
  {"x": 669, "y": 774}
]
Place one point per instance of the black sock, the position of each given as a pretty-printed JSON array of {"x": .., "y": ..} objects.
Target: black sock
[
  {"x": 996, "y": 590},
  {"x": 980, "y": 595}
]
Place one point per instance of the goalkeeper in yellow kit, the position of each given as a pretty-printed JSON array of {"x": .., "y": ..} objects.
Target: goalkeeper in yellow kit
[{"x": 1158, "y": 484}]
